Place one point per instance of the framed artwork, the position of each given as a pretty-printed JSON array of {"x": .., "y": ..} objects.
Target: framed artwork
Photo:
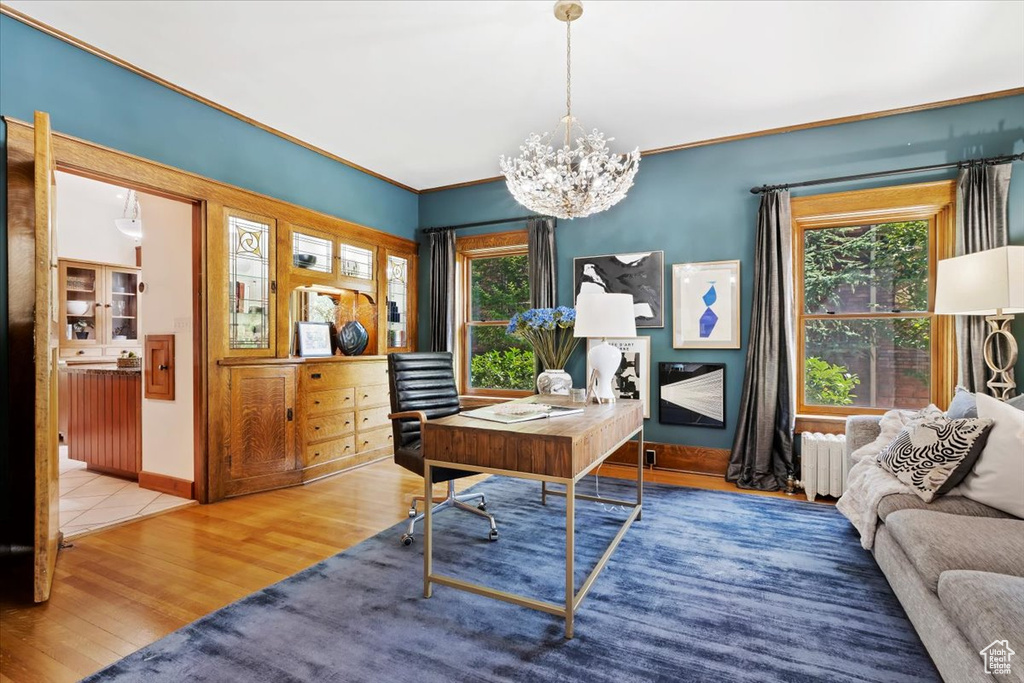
[
  {"x": 706, "y": 305},
  {"x": 640, "y": 274},
  {"x": 314, "y": 339},
  {"x": 692, "y": 394},
  {"x": 633, "y": 378}
]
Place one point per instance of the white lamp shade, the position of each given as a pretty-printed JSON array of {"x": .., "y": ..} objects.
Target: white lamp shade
[
  {"x": 132, "y": 227},
  {"x": 604, "y": 315},
  {"x": 981, "y": 283}
]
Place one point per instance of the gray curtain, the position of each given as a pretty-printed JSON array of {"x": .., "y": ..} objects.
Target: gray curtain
[
  {"x": 982, "y": 192},
  {"x": 442, "y": 290},
  {"x": 542, "y": 264},
  {"x": 762, "y": 450}
]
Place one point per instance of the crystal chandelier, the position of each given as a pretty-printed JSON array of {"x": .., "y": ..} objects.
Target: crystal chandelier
[{"x": 569, "y": 181}]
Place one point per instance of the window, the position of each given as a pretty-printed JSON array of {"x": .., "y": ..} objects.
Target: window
[
  {"x": 864, "y": 264},
  {"x": 494, "y": 287}
]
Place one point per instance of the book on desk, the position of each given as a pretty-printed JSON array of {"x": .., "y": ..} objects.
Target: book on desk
[{"x": 499, "y": 413}]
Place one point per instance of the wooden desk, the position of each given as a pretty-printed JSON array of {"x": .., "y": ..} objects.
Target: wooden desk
[{"x": 558, "y": 450}]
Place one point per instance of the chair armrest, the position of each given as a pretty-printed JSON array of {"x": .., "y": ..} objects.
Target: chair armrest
[{"x": 417, "y": 414}]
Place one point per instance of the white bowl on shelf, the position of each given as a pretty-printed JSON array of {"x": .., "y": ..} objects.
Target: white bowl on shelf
[{"x": 78, "y": 307}]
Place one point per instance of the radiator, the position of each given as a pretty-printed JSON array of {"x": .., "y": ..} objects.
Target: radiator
[{"x": 821, "y": 464}]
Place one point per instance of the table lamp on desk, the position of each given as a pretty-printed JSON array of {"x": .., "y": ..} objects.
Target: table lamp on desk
[{"x": 604, "y": 315}]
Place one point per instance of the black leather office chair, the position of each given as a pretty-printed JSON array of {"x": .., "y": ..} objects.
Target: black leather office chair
[{"x": 423, "y": 388}]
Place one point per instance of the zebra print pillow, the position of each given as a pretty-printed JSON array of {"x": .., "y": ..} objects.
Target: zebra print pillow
[{"x": 934, "y": 455}]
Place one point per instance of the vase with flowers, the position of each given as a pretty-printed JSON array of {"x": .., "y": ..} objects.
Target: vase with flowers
[{"x": 549, "y": 332}]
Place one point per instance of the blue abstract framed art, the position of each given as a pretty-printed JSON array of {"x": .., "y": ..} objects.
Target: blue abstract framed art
[{"x": 706, "y": 305}]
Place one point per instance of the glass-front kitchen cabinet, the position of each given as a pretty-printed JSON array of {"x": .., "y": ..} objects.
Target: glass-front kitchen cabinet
[{"x": 99, "y": 309}]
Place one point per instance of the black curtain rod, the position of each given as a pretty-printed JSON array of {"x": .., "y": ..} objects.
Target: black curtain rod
[
  {"x": 479, "y": 224},
  {"x": 881, "y": 174}
]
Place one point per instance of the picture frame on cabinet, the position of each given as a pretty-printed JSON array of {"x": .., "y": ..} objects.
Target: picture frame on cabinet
[
  {"x": 706, "y": 305},
  {"x": 314, "y": 339},
  {"x": 633, "y": 376}
]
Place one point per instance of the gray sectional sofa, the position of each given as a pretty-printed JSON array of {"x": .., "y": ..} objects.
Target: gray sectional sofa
[{"x": 957, "y": 567}]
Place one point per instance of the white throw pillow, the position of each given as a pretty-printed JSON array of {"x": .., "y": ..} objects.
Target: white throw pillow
[{"x": 997, "y": 479}]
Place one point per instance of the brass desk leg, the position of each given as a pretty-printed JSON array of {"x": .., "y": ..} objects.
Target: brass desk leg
[
  {"x": 640, "y": 474},
  {"x": 428, "y": 530},
  {"x": 570, "y": 578}
]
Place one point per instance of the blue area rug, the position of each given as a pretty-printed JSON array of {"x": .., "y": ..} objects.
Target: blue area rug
[{"x": 709, "y": 586}]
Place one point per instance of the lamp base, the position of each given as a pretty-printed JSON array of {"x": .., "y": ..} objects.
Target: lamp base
[
  {"x": 604, "y": 359},
  {"x": 1000, "y": 385}
]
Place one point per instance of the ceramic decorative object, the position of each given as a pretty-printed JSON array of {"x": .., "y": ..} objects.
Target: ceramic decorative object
[
  {"x": 304, "y": 260},
  {"x": 557, "y": 382},
  {"x": 77, "y": 307},
  {"x": 353, "y": 338}
]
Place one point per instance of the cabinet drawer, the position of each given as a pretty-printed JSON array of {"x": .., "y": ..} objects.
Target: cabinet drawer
[
  {"x": 337, "y": 375},
  {"x": 372, "y": 418},
  {"x": 371, "y": 396},
  {"x": 378, "y": 438},
  {"x": 91, "y": 352},
  {"x": 319, "y": 428},
  {"x": 329, "y": 401},
  {"x": 317, "y": 453}
]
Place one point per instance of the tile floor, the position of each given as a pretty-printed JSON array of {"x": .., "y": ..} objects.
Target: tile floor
[{"x": 90, "y": 501}]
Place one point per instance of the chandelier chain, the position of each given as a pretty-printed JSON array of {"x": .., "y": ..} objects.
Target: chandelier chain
[{"x": 568, "y": 70}]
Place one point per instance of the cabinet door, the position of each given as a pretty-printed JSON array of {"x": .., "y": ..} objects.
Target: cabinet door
[
  {"x": 81, "y": 304},
  {"x": 121, "y": 306},
  {"x": 400, "y": 308},
  {"x": 262, "y": 422},
  {"x": 252, "y": 284}
]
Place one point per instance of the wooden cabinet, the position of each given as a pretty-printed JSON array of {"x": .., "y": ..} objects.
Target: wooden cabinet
[
  {"x": 99, "y": 310},
  {"x": 345, "y": 414},
  {"x": 104, "y": 418},
  {"x": 261, "y": 444},
  {"x": 292, "y": 422}
]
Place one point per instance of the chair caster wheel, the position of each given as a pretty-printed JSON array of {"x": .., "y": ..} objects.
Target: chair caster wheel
[
  {"x": 407, "y": 539},
  {"x": 482, "y": 507},
  {"x": 412, "y": 513},
  {"x": 493, "y": 535}
]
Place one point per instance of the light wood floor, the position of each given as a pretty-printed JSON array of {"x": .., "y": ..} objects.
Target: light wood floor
[{"x": 120, "y": 589}]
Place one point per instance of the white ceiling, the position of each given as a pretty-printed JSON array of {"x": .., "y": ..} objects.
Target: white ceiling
[{"x": 431, "y": 93}]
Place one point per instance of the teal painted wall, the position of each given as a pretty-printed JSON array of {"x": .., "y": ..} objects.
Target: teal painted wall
[
  {"x": 93, "y": 99},
  {"x": 696, "y": 206}
]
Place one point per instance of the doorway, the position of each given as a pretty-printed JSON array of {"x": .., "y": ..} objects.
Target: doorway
[{"x": 125, "y": 453}]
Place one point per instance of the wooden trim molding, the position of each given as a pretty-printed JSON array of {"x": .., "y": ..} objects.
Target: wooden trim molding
[
  {"x": 165, "y": 483},
  {"x": 677, "y": 457},
  {"x": 103, "y": 54},
  {"x": 124, "y": 64},
  {"x": 933, "y": 202},
  {"x": 1010, "y": 92},
  {"x": 508, "y": 240},
  {"x": 106, "y": 164}
]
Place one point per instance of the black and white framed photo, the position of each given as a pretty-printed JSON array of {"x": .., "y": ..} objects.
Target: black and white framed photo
[
  {"x": 692, "y": 394},
  {"x": 314, "y": 339},
  {"x": 633, "y": 378},
  {"x": 706, "y": 305},
  {"x": 640, "y": 274}
]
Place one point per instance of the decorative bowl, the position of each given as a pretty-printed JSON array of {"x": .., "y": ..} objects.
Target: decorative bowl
[
  {"x": 134, "y": 362},
  {"x": 353, "y": 338},
  {"x": 77, "y": 307},
  {"x": 304, "y": 260}
]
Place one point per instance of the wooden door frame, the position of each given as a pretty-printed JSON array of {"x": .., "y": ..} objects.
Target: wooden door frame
[
  {"x": 210, "y": 197},
  {"x": 84, "y": 159}
]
